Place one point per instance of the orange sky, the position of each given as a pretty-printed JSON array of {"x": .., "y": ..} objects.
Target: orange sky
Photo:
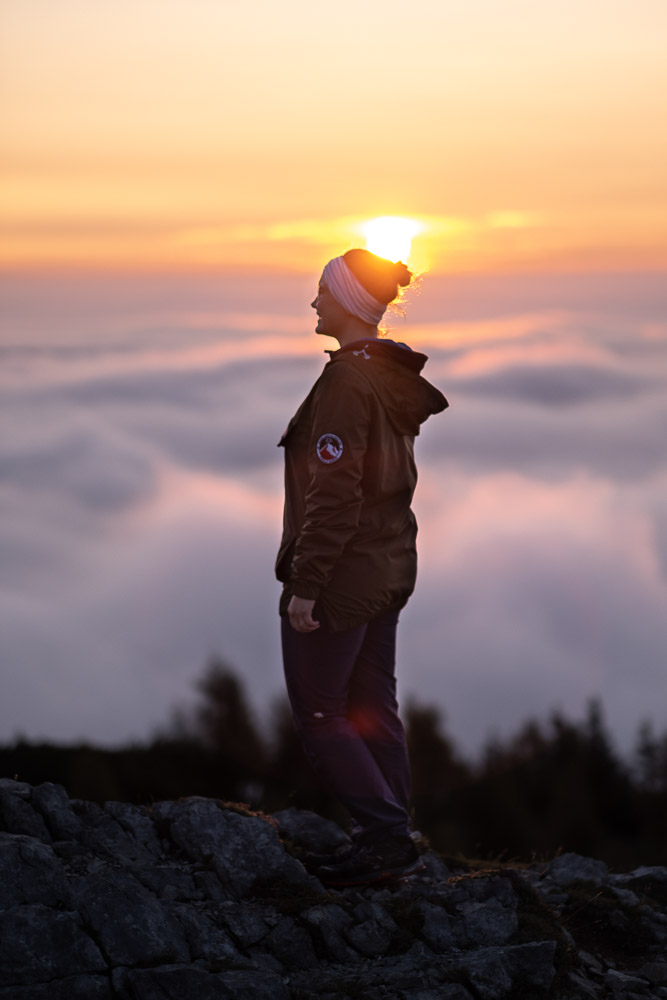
[{"x": 192, "y": 133}]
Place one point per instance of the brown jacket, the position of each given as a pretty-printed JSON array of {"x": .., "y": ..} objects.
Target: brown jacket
[{"x": 348, "y": 531}]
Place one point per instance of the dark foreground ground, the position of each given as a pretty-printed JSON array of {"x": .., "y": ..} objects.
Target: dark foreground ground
[{"x": 198, "y": 899}]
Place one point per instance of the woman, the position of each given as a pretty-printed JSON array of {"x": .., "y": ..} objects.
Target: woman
[{"x": 347, "y": 561}]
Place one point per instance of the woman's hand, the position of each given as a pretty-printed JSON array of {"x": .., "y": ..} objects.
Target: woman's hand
[{"x": 300, "y": 613}]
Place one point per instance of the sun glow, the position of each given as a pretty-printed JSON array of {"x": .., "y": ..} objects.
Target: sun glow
[{"x": 391, "y": 236}]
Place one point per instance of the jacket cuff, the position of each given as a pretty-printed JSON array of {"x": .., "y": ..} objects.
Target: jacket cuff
[{"x": 308, "y": 591}]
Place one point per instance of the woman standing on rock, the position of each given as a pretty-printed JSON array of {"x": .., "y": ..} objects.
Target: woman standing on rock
[{"x": 348, "y": 561}]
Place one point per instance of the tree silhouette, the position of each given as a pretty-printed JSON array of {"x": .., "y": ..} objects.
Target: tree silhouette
[
  {"x": 552, "y": 785},
  {"x": 223, "y": 720},
  {"x": 651, "y": 754},
  {"x": 437, "y": 774}
]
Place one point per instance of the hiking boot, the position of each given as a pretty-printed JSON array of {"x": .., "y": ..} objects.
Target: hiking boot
[
  {"x": 390, "y": 859},
  {"x": 313, "y": 862}
]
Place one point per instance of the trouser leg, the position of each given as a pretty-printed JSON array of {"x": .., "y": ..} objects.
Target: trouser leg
[
  {"x": 373, "y": 708},
  {"x": 319, "y": 671}
]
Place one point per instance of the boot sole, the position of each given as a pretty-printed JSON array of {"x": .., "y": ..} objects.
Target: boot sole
[{"x": 369, "y": 878}]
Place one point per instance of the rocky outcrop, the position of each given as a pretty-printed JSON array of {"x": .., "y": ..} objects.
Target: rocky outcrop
[{"x": 199, "y": 900}]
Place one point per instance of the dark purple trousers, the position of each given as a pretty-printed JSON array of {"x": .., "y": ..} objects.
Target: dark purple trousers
[{"x": 342, "y": 689}]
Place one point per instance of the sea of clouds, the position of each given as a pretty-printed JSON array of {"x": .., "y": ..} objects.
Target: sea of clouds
[{"x": 141, "y": 497}]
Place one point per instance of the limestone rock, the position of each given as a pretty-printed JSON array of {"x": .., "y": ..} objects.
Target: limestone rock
[
  {"x": 38, "y": 944},
  {"x": 72, "y": 988},
  {"x": 621, "y": 982},
  {"x": 247, "y": 925},
  {"x": 496, "y": 973},
  {"x": 369, "y": 938},
  {"x": 136, "y": 822},
  {"x": 488, "y": 971},
  {"x": 242, "y": 850},
  {"x": 18, "y": 816},
  {"x": 192, "y": 983},
  {"x": 583, "y": 988},
  {"x": 655, "y": 972},
  {"x": 450, "y": 991},
  {"x": 206, "y": 938},
  {"x": 489, "y": 923},
  {"x": 307, "y": 829},
  {"x": 568, "y": 869},
  {"x": 127, "y": 921},
  {"x": 30, "y": 873},
  {"x": 533, "y": 964},
  {"x": 20, "y": 788},
  {"x": 437, "y": 929},
  {"x": 331, "y": 921},
  {"x": 195, "y": 899},
  {"x": 291, "y": 945},
  {"x": 56, "y": 810}
]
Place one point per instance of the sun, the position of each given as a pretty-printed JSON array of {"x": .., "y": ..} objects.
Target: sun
[{"x": 390, "y": 236}]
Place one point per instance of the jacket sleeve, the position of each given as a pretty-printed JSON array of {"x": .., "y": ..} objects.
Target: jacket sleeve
[{"x": 336, "y": 454}]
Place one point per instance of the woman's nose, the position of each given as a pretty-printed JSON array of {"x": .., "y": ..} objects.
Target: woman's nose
[{"x": 313, "y": 304}]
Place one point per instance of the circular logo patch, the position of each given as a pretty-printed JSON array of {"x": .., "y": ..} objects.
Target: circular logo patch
[{"x": 329, "y": 448}]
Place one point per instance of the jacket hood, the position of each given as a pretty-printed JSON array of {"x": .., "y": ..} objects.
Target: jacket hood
[{"x": 393, "y": 370}]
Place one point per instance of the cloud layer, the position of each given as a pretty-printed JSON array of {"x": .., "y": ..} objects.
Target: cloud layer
[{"x": 141, "y": 501}]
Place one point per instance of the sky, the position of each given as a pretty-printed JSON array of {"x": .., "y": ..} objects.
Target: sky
[
  {"x": 174, "y": 175},
  {"x": 164, "y": 133}
]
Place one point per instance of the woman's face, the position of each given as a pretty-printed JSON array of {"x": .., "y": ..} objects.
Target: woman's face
[{"x": 331, "y": 317}]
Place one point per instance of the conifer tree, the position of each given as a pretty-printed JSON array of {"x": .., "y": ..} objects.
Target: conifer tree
[{"x": 223, "y": 719}]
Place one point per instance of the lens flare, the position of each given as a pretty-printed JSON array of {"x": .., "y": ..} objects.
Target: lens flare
[{"x": 390, "y": 236}]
